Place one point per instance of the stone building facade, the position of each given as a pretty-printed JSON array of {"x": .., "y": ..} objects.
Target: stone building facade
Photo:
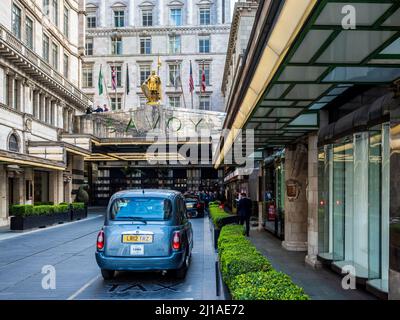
[
  {"x": 134, "y": 36},
  {"x": 41, "y": 45}
]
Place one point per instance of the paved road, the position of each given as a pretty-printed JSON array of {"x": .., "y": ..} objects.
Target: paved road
[{"x": 70, "y": 249}]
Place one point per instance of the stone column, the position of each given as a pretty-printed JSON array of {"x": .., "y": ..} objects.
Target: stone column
[
  {"x": 296, "y": 208},
  {"x": 56, "y": 185},
  {"x": 131, "y": 13},
  {"x": 42, "y": 106},
  {"x": 103, "y": 22},
  {"x": 160, "y": 10},
  {"x": 312, "y": 198},
  {"x": 3, "y": 196},
  {"x": 77, "y": 173},
  {"x": 10, "y": 89}
]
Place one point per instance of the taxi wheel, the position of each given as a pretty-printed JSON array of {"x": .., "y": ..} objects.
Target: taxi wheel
[
  {"x": 107, "y": 274},
  {"x": 181, "y": 272}
]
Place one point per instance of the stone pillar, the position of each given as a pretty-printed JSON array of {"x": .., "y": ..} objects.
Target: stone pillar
[
  {"x": 312, "y": 197},
  {"x": 103, "y": 22},
  {"x": 10, "y": 89},
  {"x": 56, "y": 185},
  {"x": 131, "y": 13},
  {"x": 3, "y": 196},
  {"x": 160, "y": 9},
  {"x": 42, "y": 107},
  {"x": 77, "y": 173},
  {"x": 296, "y": 208}
]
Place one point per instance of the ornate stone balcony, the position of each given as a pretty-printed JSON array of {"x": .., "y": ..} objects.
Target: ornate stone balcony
[{"x": 18, "y": 54}]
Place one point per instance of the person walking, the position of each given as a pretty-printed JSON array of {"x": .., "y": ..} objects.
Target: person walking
[{"x": 244, "y": 210}]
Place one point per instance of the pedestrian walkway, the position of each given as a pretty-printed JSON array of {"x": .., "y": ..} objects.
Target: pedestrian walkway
[
  {"x": 6, "y": 233},
  {"x": 319, "y": 284}
]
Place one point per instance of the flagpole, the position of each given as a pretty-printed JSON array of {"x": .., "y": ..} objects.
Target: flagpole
[
  {"x": 126, "y": 85},
  {"x": 183, "y": 94},
  {"x": 106, "y": 90}
]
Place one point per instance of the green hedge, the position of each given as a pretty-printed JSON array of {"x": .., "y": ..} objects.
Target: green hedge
[
  {"x": 270, "y": 285},
  {"x": 25, "y": 210},
  {"x": 78, "y": 205},
  {"x": 248, "y": 274},
  {"x": 217, "y": 215}
]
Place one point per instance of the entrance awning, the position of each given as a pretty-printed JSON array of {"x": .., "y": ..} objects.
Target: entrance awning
[
  {"x": 308, "y": 60},
  {"x": 29, "y": 161}
]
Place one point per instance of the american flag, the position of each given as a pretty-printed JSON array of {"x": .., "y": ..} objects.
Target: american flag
[
  {"x": 113, "y": 78},
  {"x": 203, "y": 80},
  {"x": 191, "y": 83}
]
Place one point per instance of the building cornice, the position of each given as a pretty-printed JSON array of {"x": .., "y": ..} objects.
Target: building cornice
[{"x": 148, "y": 31}]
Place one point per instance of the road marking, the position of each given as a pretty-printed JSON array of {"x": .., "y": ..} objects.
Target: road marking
[
  {"x": 87, "y": 285},
  {"x": 12, "y": 235}
]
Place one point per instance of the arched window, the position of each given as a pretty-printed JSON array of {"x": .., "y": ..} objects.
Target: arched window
[{"x": 13, "y": 144}]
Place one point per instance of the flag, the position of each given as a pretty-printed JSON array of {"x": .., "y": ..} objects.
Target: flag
[
  {"x": 127, "y": 84},
  {"x": 191, "y": 83},
  {"x": 203, "y": 80},
  {"x": 100, "y": 84},
  {"x": 113, "y": 78}
]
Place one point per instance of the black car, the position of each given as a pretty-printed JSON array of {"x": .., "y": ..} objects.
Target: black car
[{"x": 195, "y": 209}]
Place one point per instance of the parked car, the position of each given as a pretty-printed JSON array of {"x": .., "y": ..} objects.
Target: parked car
[
  {"x": 200, "y": 205},
  {"x": 145, "y": 230},
  {"x": 194, "y": 208}
]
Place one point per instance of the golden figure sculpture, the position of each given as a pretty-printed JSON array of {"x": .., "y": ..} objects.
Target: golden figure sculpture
[{"x": 151, "y": 88}]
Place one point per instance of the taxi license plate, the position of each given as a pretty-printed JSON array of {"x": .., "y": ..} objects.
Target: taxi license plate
[{"x": 137, "y": 238}]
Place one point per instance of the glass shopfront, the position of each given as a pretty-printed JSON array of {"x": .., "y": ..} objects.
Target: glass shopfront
[{"x": 354, "y": 204}]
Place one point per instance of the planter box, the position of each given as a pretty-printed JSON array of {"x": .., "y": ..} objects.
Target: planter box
[
  {"x": 78, "y": 214},
  {"x": 224, "y": 287},
  {"x": 24, "y": 223}
]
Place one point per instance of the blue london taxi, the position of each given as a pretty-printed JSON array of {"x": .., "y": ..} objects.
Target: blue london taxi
[{"x": 145, "y": 230}]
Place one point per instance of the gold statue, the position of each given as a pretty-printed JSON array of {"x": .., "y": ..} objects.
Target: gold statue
[{"x": 151, "y": 88}]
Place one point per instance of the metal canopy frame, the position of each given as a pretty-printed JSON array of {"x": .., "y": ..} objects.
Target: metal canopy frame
[{"x": 278, "y": 93}]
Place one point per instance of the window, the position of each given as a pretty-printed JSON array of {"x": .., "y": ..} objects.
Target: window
[
  {"x": 116, "y": 46},
  {"x": 205, "y": 102},
  {"x": 46, "y": 7},
  {"x": 174, "y": 75},
  {"x": 118, "y": 72},
  {"x": 116, "y": 103},
  {"x": 13, "y": 144},
  {"x": 89, "y": 47},
  {"x": 206, "y": 72},
  {"x": 66, "y": 22},
  {"x": 204, "y": 44},
  {"x": 55, "y": 56},
  {"x": 91, "y": 22},
  {"x": 29, "y": 32},
  {"x": 87, "y": 76},
  {"x": 46, "y": 48},
  {"x": 145, "y": 71},
  {"x": 147, "y": 18},
  {"x": 119, "y": 19},
  {"x": 174, "y": 44},
  {"x": 205, "y": 16},
  {"x": 175, "y": 101},
  {"x": 66, "y": 66},
  {"x": 145, "y": 45},
  {"x": 55, "y": 12},
  {"x": 176, "y": 17},
  {"x": 16, "y": 21}
]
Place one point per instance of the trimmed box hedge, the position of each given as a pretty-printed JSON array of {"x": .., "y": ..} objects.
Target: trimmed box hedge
[
  {"x": 248, "y": 274},
  {"x": 32, "y": 216},
  {"x": 270, "y": 285}
]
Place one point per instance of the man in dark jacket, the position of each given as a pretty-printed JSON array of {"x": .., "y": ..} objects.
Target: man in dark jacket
[{"x": 244, "y": 210}]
